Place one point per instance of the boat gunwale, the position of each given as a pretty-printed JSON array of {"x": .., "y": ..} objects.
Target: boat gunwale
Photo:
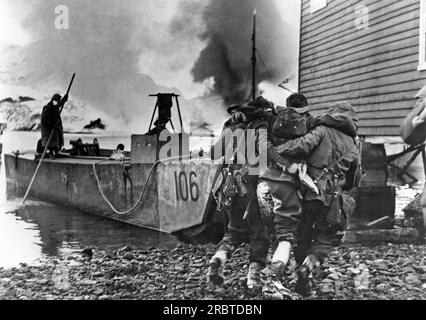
[{"x": 66, "y": 159}]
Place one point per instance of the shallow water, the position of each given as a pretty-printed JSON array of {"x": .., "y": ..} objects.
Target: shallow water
[{"x": 31, "y": 232}]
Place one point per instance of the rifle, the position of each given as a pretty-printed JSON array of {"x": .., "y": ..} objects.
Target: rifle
[{"x": 47, "y": 145}]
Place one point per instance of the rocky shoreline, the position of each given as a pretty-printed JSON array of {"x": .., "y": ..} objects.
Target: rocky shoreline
[{"x": 391, "y": 272}]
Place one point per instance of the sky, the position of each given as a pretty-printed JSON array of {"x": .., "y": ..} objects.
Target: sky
[
  {"x": 123, "y": 49},
  {"x": 11, "y": 30}
]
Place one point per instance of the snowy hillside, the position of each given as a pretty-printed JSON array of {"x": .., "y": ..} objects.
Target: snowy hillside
[
  {"x": 21, "y": 78},
  {"x": 25, "y": 115}
]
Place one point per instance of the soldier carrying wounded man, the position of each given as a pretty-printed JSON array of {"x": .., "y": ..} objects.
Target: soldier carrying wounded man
[
  {"x": 296, "y": 211},
  {"x": 310, "y": 218},
  {"x": 242, "y": 211}
]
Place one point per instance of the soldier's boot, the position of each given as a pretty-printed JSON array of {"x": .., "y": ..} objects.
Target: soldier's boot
[
  {"x": 278, "y": 269},
  {"x": 214, "y": 273},
  {"x": 254, "y": 283},
  {"x": 273, "y": 289},
  {"x": 305, "y": 281}
]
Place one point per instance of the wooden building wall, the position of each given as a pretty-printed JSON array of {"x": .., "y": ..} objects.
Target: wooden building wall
[{"x": 374, "y": 69}]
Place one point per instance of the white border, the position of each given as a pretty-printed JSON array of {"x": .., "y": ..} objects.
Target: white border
[{"x": 422, "y": 36}]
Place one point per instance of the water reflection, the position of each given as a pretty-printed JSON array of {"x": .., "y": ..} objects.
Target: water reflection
[
  {"x": 19, "y": 240},
  {"x": 37, "y": 229},
  {"x": 63, "y": 228}
]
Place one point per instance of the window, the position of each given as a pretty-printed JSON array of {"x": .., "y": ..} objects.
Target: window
[
  {"x": 422, "y": 44},
  {"x": 318, "y": 5}
]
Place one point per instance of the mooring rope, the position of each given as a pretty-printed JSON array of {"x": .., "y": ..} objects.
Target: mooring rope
[{"x": 139, "y": 201}]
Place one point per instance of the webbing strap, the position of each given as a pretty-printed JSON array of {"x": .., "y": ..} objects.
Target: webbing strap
[{"x": 327, "y": 169}]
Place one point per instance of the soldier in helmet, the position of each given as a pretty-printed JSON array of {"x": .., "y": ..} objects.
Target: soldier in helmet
[
  {"x": 244, "y": 220},
  {"x": 51, "y": 124}
]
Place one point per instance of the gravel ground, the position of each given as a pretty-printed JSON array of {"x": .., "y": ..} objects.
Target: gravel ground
[{"x": 396, "y": 272}]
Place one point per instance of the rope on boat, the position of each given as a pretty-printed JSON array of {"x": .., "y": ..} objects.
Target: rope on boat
[
  {"x": 139, "y": 201},
  {"x": 129, "y": 211}
]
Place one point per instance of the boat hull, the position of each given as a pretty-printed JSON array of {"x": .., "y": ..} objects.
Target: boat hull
[{"x": 177, "y": 195}]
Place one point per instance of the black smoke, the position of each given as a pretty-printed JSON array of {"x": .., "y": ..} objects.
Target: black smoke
[{"x": 227, "y": 56}]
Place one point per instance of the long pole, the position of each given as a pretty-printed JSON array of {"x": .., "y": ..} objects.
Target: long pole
[
  {"x": 253, "y": 57},
  {"x": 45, "y": 148}
]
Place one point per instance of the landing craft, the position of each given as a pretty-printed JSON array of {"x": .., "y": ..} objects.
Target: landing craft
[
  {"x": 159, "y": 186},
  {"x": 153, "y": 187}
]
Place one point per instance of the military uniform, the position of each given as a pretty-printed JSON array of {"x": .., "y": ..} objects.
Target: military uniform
[
  {"x": 250, "y": 230},
  {"x": 321, "y": 147},
  {"x": 424, "y": 205},
  {"x": 245, "y": 221},
  {"x": 277, "y": 192},
  {"x": 279, "y": 204},
  {"x": 414, "y": 132}
]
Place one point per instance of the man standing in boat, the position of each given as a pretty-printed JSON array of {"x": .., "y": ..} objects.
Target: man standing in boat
[{"x": 51, "y": 125}]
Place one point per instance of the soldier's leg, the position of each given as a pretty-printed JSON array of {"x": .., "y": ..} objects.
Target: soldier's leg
[
  {"x": 259, "y": 239},
  {"x": 302, "y": 252},
  {"x": 259, "y": 246},
  {"x": 266, "y": 208},
  {"x": 236, "y": 234},
  {"x": 305, "y": 234},
  {"x": 326, "y": 236},
  {"x": 287, "y": 213},
  {"x": 258, "y": 235},
  {"x": 424, "y": 200}
]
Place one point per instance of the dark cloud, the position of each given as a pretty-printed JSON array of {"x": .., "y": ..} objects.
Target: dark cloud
[
  {"x": 227, "y": 57},
  {"x": 111, "y": 42}
]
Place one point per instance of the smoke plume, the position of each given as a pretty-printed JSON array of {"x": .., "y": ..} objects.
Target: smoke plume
[
  {"x": 124, "y": 50},
  {"x": 118, "y": 50},
  {"x": 227, "y": 56}
]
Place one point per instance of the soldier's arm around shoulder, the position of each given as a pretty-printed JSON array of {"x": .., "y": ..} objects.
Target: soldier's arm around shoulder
[{"x": 303, "y": 146}]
